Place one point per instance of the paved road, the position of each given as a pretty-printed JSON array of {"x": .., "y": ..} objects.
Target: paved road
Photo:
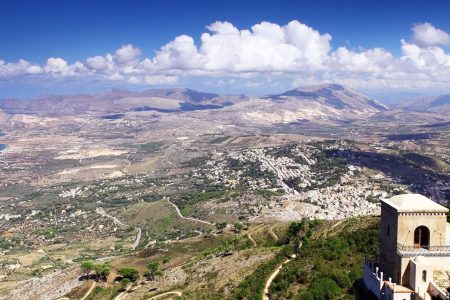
[{"x": 281, "y": 177}]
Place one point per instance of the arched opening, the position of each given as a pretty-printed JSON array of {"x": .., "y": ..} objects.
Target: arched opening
[
  {"x": 424, "y": 276},
  {"x": 422, "y": 237}
]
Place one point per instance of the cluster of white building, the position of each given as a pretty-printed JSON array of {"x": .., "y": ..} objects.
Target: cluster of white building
[{"x": 333, "y": 202}]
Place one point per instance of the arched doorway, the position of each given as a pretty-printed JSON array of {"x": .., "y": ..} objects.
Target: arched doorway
[{"x": 422, "y": 237}]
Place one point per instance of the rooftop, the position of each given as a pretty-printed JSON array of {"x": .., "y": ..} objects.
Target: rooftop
[
  {"x": 414, "y": 203},
  {"x": 398, "y": 288}
]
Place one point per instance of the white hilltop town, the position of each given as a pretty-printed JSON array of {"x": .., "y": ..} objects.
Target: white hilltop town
[{"x": 414, "y": 261}]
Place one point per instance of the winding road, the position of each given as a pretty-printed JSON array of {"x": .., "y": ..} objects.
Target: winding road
[
  {"x": 273, "y": 275},
  {"x": 138, "y": 238},
  {"x": 187, "y": 218},
  {"x": 272, "y": 234},
  {"x": 103, "y": 213},
  {"x": 174, "y": 293},
  {"x": 249, "y": 235},
  {"x": 280, "y": 177}
]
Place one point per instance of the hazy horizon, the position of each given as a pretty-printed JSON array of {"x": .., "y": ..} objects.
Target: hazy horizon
[{"x": 233, "y": 48}]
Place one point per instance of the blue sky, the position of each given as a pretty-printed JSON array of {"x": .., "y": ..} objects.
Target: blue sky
[{"x": 74, "y": 31}]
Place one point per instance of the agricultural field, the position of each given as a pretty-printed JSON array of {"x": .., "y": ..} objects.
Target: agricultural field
[{"x": 196, "y": 202}]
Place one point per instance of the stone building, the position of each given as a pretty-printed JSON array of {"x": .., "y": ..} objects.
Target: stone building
[{"x": 414, "y": 261}]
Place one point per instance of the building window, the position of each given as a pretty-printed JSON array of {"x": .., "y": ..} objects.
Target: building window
[
  {"x": 422, "y": 237},
  {"x": 424, "y": 276},
  {"x": 389, "y": 230}
]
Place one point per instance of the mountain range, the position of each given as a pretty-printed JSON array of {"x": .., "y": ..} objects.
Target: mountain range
[
  {"x": 319, "y": 102},
  {"x": 427, "y": 104}
]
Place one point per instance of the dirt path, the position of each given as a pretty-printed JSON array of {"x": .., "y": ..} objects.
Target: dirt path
[
  {"x": 273, "y": 275},
  {"x": 174, "y": 293},
  {"x": 122, "y": 294},
  {"x": 249, "y": 235},
  {"x": 330, "y": 229},
  {"x": 187, "y": 218},
  {"x": 89, "y": 291},
  {"x": 138, "y": 238},
  {"x": 103, "y": 213},
  {"x": 272, "y": 234},
  {"x": 125, "y": 170}
]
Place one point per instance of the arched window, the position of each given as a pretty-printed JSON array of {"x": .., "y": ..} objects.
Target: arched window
[
  {"x": 424, "y": 276},
  {"x": 422, "y": 237}
]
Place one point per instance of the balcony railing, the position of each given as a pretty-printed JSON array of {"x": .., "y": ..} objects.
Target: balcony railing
[{"x": 423, "y": 251}]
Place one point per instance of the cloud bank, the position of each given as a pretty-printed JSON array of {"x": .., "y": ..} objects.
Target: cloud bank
[{"x": 294, "y": 51}]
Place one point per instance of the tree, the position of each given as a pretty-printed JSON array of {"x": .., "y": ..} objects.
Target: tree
[
  {"x": 221, "y": 225},
  {"x": 238, "y": 227},
  {"x": 131, "y": 273},
  {"x": 98, "y": 271},
  {"x": 101, "y": 271},
  {"x": 105, "y": 271},
  {"x": 123, "y": 284},
  {"x": 153, "y": 270},
  {"x": 87, "y": 267}
]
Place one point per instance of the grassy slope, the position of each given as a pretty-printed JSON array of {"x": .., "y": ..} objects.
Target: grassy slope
[
  {"x": 159, "y": 221},
  {"x": 329, "y": 265},
  {"x": 331, "y": 257}
]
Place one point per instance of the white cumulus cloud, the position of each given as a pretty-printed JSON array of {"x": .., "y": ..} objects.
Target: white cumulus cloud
[
  {"x": 294, "y": 52},
  {"x": 97, "y": 63},
  {"x": 34, "y": 69},
  {"x": 127, "y": 54},
  {"x": 266, "y": 47},
  {"x": 57, "y": 65},
  {"x": 160, "y": 79},
  {"x": 425, "y": 34}
]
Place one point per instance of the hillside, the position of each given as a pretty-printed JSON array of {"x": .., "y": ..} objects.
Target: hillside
[
  {"x": 440, "y": 104},
  {"x": 333, "y": 95},
  {"x": 3, "y": 117},
  {"x": 118, "y": 101},
  {"x": 324, "y": 102}
]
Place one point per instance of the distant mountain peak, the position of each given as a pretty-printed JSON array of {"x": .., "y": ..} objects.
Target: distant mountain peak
[
  {"x": 333, "y": 95},
  {"x": 439, "y": 104},
  {"x": 315, "y": 87}
]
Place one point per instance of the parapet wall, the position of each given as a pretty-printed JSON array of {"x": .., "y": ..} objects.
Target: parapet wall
[{"x": 373, "y": 279}]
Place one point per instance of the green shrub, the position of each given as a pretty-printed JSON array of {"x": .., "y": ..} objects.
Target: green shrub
[{"x": 129, "y": 273}]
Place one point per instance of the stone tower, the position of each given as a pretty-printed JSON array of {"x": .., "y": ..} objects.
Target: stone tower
[{"x": 411, "y": 225}]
